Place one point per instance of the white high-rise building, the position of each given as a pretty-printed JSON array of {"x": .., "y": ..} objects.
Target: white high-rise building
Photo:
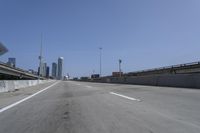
[
  {"x": 42, "y": 71},
  {"x": 60, "y": 68}
]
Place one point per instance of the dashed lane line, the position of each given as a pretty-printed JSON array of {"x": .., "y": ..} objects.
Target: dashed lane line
[{"x": 129, "y": 98}]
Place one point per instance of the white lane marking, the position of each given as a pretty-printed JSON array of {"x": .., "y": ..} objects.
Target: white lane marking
[
  {"x": 16, "y": 103},
  {"x": 78, "y": 84},
  {"x": 88, "y": 86},
  {"x": 130, "y": 98}
]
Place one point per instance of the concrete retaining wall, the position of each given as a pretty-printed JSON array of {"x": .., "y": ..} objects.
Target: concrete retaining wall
[
  {"x": 171, "y": 80},
  {"x": 11, "y": 85}
]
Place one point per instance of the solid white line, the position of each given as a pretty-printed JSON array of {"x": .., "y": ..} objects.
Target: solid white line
[
  {"x": 16, "y": 103},
  {"x": 130, "y": 98}
]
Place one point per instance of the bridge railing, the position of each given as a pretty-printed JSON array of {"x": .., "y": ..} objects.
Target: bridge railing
[{"x": 172, "y": 67}]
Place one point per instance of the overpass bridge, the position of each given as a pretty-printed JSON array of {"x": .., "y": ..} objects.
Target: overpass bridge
[{"x": 8, "y": 72}]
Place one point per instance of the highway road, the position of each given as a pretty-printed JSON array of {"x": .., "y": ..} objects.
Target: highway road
[{"x": 81, "y": 107}]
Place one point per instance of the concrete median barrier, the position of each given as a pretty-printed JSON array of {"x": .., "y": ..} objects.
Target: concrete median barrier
[
  {"x": 11, "y": 85},
  {"x": 169, "y": 80}
]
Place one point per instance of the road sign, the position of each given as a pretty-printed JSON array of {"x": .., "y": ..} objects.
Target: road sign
[{"x": 3, "y": 49}]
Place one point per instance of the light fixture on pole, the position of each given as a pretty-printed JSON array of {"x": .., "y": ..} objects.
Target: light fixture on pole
[
  {"x": 100, "y": 63},
  {"x": 120, "y": 70},
  {"x": 40, "y": 58}
]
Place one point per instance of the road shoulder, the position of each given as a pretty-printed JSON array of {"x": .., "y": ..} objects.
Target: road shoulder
[{"x": 7, "y": 98}]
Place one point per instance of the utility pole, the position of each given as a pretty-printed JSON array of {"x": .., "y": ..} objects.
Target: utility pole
[
  {"x": 40, "y": 58},
  {"x": 100, "y": 50},
  {"x": 120, "y": 70}
]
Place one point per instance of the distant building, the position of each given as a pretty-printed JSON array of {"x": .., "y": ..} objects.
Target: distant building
[
  {"x": 38, "y": 71},
  {"x": 47, "y": 71},
  {"x": 43, "y": 69},
  {"x": 117, "y": 74},
  {"x": 33, "y": 71},
  {"x": 54, "y": 70},
  {"x": 60, "y": 68},
  {"x": 12, "y": 62}
]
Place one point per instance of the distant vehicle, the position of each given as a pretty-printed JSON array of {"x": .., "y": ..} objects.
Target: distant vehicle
[
  {"x": 66, "y": 78},
  {"x": 94, "y": 76},
  {"x": 75, "y": 78},
  {"x": 3, "y": 49},
  {"x": 84, "y": 78}
]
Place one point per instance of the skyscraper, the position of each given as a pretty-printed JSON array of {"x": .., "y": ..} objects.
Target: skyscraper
[
  {"x": 60, "y": 68},
  {"x": 42, "y": 71},
  {"x": 12, "y": 62},
  {"x": 54, "y": 70},
  {"x": 47, "y": 71},
  {"x": 44, "y": 68}
]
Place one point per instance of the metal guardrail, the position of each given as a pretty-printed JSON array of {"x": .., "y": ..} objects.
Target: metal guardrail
[{"x": 172, "y": 66}]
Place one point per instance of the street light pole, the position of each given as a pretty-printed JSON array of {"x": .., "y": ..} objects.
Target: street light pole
[
  {"x": 40, "y": 58},
  {"x": 120, "y": 70},
  {"x": 100, "y": 63}
]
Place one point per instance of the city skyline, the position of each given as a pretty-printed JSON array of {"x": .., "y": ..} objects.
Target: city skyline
[{"x": 55, "y": 72}]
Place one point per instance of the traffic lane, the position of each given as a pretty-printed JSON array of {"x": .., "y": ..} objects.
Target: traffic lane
[
  {"x": 47, "y": 112},
  {"x": 70, "y": 108},
  {"x": 180, "y": 103},
  {"x": 42, "y": 113},
  {"x": 103, "y": 112},
  {"x": 93, "y": 84}
]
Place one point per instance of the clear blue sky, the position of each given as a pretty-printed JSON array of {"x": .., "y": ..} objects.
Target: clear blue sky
[{"x": 143, "y": 33}]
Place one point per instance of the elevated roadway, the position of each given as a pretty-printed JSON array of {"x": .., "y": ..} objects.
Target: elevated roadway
[
  {"x": 81, "y": 107},
  {"x": 8, "y": 72}
]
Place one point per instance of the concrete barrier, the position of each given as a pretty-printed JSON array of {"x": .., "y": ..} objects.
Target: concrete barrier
[
  {"x": 170, "y": 80},
  {"x": 11, "y": 85}
]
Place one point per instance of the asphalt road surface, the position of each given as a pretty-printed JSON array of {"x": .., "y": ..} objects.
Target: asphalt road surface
[{"x": 81, "y": 107}]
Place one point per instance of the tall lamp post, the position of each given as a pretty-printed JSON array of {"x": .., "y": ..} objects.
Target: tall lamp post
[
  {"x": 100, "y": 63},
  {"x": 40, "y": 58},
  {"x": 120, "y": 70}
]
